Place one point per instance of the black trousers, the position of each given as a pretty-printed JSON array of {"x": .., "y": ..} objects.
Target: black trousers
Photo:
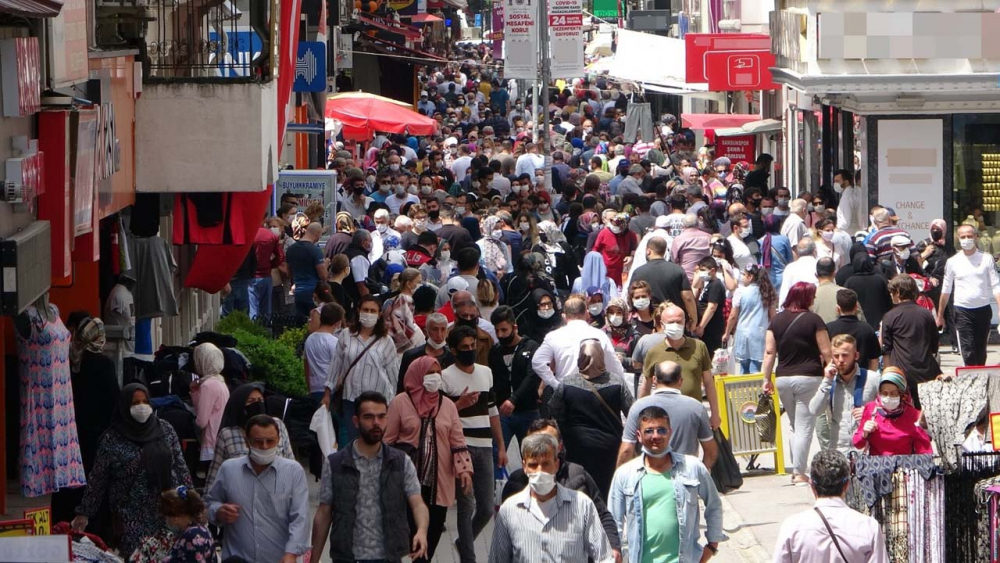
[
  {"x": 973, "y": 329},
  {"x": 434, "y": 527}
]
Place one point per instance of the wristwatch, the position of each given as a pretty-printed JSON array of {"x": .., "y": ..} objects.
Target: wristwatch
[{"x": 713, "y": 548}]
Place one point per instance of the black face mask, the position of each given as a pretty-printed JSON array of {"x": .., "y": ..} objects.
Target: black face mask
[
  {"x": 433, "y": 215},
  {"x": 252, "y": 410},
  {"x": 359, "y": 191},
  {"x": 471, "y": 323},
  {"x": 466, "y": 357},
  {"x": 937, "y": 235},
  {"x": 506, "y": 340}
]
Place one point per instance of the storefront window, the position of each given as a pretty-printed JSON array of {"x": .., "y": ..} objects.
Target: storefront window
[{"x": 977, "y": 176}]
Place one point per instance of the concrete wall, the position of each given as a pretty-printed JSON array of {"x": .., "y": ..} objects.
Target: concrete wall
[
  {"x": 11, "y": 222},
  {"x": 206, "y": 137}
]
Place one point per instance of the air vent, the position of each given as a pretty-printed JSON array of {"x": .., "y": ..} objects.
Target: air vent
[{"x": 26, "y": 266}]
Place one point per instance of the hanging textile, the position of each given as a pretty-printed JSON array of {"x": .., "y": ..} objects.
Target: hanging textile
[
  {"x": 925, "y": 518},
  {"x": 874, "y": 473},
  {"x": 215, "y": 218},
  {"x": 950, "y": 407},
  {"x": 638, "y": 123},
  {"x": 967, "y": 534},
  {"x": 153, "y": 270}
]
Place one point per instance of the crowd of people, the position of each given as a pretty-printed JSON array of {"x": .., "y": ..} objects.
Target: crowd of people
[{"x": 467, "y": 293}]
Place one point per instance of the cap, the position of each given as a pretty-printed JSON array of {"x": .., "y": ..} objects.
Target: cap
[
  {"x": 662, "y": 222},
  {"x": 900, "y": 240},
  {"x": 892, "y": 213},
  {"x": 457, "y": 284}
]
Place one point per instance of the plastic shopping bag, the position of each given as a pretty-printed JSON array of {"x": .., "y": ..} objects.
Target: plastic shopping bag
[
  {"x": 498, "y": 486},
  {"x": 723, "y": 362},
  {"x": 322, "y": 425}
]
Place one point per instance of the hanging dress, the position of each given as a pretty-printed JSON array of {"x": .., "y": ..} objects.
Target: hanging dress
[{"x": 50, "y": 447}]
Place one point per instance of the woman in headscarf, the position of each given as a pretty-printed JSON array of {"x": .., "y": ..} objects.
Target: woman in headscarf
[
  {"x": 138, "y": 458},
  {"x": 561, "y": 262},
  {"x": 616, "y": 245},
  {"x": 595, "y": 274},
  {"x": 589, "y": 406},
  {"x": 398, "y": 312},
  {"x": 209, "y": 395},
  {"x": 888, "y": 425},
  {"x": 95, "y": 390},
  {"x": 340, "y": 240},
  {"x": 847, "y": 270},
  {"x": 585, "y": 224},
  {"x": 529, "y": 275},
  {"x": 494, "y": 251},
  {"x": 618, "y": 328},
  {"x": 872, "y": 289},
  {"x": 244, "y": 402},
  {"x": 425, "y": 424},
  {"x": 542, "y": 316},
  {"x": 775, "y": 250}
]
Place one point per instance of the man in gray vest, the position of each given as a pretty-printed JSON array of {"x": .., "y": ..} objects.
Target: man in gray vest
[{"x": 365, "y": 489}]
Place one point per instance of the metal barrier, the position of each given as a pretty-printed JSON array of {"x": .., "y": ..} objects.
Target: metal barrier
[{"x": 737, "y": 395}]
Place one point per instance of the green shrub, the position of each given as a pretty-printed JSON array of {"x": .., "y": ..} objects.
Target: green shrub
[
  {"x": 294, "y": 339},
  {"x": 272, "y": 362},
  {"x": 238, "y": 320}
]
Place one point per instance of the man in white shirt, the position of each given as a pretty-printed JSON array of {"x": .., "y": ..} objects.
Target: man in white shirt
[
  {"x": 563, "y": 345},
  {"x": 400, "y": 196},
  {"x": 972, "y": 276},
  {"x": 460, "y": 167},
  {"x": 830, "y": 531},
  {"x": 320, "y": 347},
  {"x": 803, "y": 269},
  {"x": 794, "y": 226},
  {"x": 741, "y": 252},
  {"x": 383, "y": 233},
  {"x": 851, "y": 211},
  {"x": 528, "y": 162}
]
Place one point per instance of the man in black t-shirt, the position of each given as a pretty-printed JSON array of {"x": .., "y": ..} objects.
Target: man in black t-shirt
[
  {"x": 666, "y": 279},
  {"x": 848, "y": 322},
  {"x": 711, "y": 304}
]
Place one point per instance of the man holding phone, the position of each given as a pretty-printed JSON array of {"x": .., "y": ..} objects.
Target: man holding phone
[{"x": 842, "y": 394}]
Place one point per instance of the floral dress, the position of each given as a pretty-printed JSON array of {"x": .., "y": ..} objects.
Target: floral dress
[
  {"x": 194, "y": 545},
  {"x": 119, "y": 477},
  {"x": 50, "y": 447}
]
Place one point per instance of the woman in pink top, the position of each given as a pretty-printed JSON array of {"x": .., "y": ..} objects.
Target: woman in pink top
[
  {"x": 425, "y": 423},
  {"x": 889, "y": 424},
  {"x": 209, "y": 396}
]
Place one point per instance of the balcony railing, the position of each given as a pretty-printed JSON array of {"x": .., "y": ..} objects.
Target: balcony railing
[{"x": 210, "y": 40}]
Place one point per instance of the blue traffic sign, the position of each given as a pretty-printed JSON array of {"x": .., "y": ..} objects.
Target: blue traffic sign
[
  {"x": 233, "y": 57},
  {"x": 310, "y": 67}
]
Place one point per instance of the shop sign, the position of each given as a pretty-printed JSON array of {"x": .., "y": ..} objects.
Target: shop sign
[
  {"x": 108, "y": 150},
  {"x": 25, "y": 179},
  {"x": 84, "y": 131},
  {"x": 310, "y": 67},
  {"x": 911, "y": 171},
  {"x": 41, "y": 519},
  {"x": 20, "y": 69},
  {"x": 566, "y": 38},
  {"x": 68, "y": 43},
  {"x": 404, "y": 7},
  {"x": 737, "y": 71},
  {"x": 496, "y": 30},
  {"x": 697, "y": 47},
  {"x": 742, "y": 147},
  {"x": 235, "y": 50},
  {"x": 606, "y": 9},
  {"x": 521, "y": 39},
  {"x": 310, "y": 186}
]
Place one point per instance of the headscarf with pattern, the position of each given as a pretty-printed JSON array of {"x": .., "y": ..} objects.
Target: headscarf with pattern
[
  {"x": 89, "y": 337},
  {"x": 493, "y": 250}
]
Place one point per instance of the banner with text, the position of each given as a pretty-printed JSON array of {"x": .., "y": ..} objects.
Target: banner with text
[
  {"x": 496, "y": 30},
  {"x": 911, "y": 171},
  {"x": 566, "y": 38},
  {"x": 520, "y": 37}
]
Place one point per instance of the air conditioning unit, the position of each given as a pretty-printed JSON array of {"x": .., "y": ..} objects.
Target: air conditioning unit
[{"x": 25, "y": 267}]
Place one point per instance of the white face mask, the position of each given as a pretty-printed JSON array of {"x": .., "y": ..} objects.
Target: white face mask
[
  {"x": 525, "y": 227},
  {"x": 673, "y": 331},
  {"x": 546, "y": 313},
  {"x": 435, "y": 345},
  {"x": 497, "y": 235},
  {"x": 368, "y": 320},
  {"x": 394, "y": 167},
  {"x": 400, "y": 190},
  {"x": 641, "y": 304},
  {"x": 649, "y": 453},
  {"x": 141, "y": 413},
  {"x": 616, "y": 229},
  {"x": 420, "y": 224},
  {"x": 838, "y": 188},
  {"x": 412, "y": 190},
  {"x": 783, "y": 201},
  {"x": 426, "y": 190},
  {"x": 616, "y": 320},
  {"x": 263, "y": 457},
  {"x": 446, "y": 255},
  {"x": 827, "y": 235},
  {"x": 967, "y": 243},
  {"x": 370, "y": 180},
  {"x": 903, "y": 254},
  {"x": 276, "y": 231},
  {"x": 460, "y": 210},
  {"x": 765, "y": 211},
  {"x": 890, "y": 403},
  {"x": 541, "y": 483},
  {"x": 595, "y": 309},
  {"x": 703, "y": 274},
  {"x": 432, "y": 382},
  {"x": 381, "y": 227},
  {"x": 515, "y": 188}
]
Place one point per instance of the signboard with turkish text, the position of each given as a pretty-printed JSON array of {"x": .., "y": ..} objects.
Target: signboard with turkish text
[
  {"x": 911, "y": 171},
  {"x": 311, "y": 186},
  {"x": 41, "y": 519},
  {"x": 68, "y": 43},
  {"x": 310, "y": 67},
  {"x": 743, "y": 147},
  {"x": 740, "y": 70},
  {"x": 606, "y": 9},
  {"x": 20, "y": 70},
  {"x": 17, "y": 528},
  {"x": 116, "y": 141},
  {"x": 236, "y": 50},
  {"x": 521, "y": 39},
  {"x": 496, "y": 33},
  {"x": 566, "y": 38},
  {"x": 699, "y": 45},
  {"x": 84, "y": 129}
]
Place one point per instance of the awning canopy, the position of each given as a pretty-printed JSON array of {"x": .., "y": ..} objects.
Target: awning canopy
[
  {"x": 397, "y": 50},
  {"x": 648, "y": 58},
  {"x": 751, "y": 128},
  {"x": 363, "y": 115},
  {"x": 424, "y": 18},
  {"x": 407, "y": 31},
  {"x": 31, "y": 8},
  {"x": 716, "y": 120}
]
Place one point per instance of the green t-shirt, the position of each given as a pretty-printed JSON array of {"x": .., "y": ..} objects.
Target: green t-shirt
[{"x": 661, "y": 537}]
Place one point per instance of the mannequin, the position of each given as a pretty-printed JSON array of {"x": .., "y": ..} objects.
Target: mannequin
[{"x": 50, "y": 447}]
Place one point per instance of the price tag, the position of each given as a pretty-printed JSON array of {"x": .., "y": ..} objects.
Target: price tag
[{"x": 41, "y": 520}]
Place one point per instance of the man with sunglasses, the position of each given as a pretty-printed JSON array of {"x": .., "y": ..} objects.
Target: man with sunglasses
[{"x": 655, "y": 496}]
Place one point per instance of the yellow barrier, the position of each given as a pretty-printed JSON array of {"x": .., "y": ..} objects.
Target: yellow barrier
[{"x": 737, "y": 393}]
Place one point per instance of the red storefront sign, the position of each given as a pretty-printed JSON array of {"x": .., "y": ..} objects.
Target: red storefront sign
[
  {"x": 20, "y": 67},
  {"x": 743, "y": 147},
  {"x": 25, "y": 176},
  {"x": 699, "y": 45},
  {"x": 740, "y": 70}
]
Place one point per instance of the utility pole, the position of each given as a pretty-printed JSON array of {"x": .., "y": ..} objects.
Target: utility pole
[{"x": 546, "y": 78}]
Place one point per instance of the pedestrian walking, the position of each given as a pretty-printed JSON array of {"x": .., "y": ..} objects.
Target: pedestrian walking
[{"x": 970, "y": 275}]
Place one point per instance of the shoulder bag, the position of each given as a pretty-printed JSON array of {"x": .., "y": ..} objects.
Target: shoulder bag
[
  {"x": 338, "y": 395},
  {"x": 833, "y": 536}
]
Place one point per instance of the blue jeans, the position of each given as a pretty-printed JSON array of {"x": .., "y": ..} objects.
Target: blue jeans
[
  {"x": 475, "y": 509},
  {"x": 348, "y": 431},
  {"x": 516, "y": 424},
  {"x": 749, "y": 366},
  {"x": 304, "y": 303},
  {"x": 260, "y": 297},
  {"x": 238, "y": 298}
]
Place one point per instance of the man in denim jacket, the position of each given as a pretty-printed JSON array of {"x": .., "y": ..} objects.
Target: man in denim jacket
[{"x": 657, "y": 495}]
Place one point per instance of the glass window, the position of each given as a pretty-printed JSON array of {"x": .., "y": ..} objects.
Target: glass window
[{"x": 977, "y": 175}]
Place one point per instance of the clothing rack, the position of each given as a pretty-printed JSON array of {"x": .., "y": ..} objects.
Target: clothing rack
[{"x": 967, "y": 533}]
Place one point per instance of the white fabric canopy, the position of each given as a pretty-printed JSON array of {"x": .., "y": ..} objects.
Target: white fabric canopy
[{"x": 653, "y": 59}]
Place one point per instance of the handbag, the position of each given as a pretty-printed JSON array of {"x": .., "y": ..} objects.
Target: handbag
[
  {"x": 765, "y": 418},
  {"x": 338, "y": 395},
  {"x": 726, "y": 471}
]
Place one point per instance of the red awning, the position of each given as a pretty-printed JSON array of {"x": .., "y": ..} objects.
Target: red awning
[
  {"x": 32, "y": 8},
  {"x": 407, "y": 31},
  {"x": 716, "y": 120}
]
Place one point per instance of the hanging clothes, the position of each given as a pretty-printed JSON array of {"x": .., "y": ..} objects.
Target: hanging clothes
[
  {"x": 208, "y": 218},
  {"x": 949, "y": 408},
  {"x": 50, "y": 447},
  {"x": 154, "y": 270},
  {"x": 874, "y": 473}
]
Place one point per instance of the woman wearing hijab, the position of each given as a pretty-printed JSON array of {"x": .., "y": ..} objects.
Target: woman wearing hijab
[
  {"x": 529, "y": 275},
  {"x": 542, "y": 317},
  {"x": 561, "y": 263},
  {"x": 888, "y": 424},
  {"x": 95, "y": 390},
  {"x": 616, "y": 245},
  {"x": 847, "y": 270},
  {"x": 244, "y": 402},
  {"x": 138, "y": 458},
  {"x": 775, "y": 250},
  {"x": 209, "y": 395},
  {"x": 595, "y": 274},
  {"x": 589, "y": 406},
  {"x": 494, "y": 251},
  {"x": 425, "y": 424},
  {"x": 872, "y": 289}
]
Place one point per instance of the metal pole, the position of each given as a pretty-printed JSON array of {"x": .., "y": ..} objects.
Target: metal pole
[{"x": 543, "y": 31}]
